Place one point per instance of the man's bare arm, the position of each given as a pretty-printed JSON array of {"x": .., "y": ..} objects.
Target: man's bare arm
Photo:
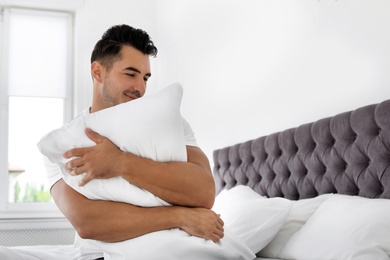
[
  {"x": 113, "y": 221},
  {"x": 180, "y": 183}
]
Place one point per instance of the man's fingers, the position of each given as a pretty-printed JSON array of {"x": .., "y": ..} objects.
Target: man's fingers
[
  {"x": 71, "y": 165},
  {"x": 77, "y": 170},
  {"x": 220, "y": 228},
  {"x": 217, "y": 236},
  {"x": 220, "y": 221},
  {"x": 94, "y": 136},
  {"x": 79, "y": 152},
  {"x": 87, "y": 178},
  {"x": 76, "y": 152}
]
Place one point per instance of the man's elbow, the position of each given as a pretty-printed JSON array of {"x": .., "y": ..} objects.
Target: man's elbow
[
  {"x": 84, "y": 222},
  {"x": 209, "y": 203},
  {"x": 208, "y": 198},
  {"x": 87, "y": 231},
  {"x": 83, "y": 229},
  {"x": 84, "y": 233}
]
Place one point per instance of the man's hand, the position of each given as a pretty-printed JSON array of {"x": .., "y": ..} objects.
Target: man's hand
[
  {"x": 96, "y": 161},
  {"x": 203, "y": 223}
]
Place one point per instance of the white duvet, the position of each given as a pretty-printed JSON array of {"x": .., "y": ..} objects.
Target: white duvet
[{"x": 150, "y": 127}]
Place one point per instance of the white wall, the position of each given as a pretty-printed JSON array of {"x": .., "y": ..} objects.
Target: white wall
[{"x": 252, "y": 67}]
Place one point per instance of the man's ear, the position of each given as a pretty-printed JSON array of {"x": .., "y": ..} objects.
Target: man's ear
[{"x": 97, "y": 71}]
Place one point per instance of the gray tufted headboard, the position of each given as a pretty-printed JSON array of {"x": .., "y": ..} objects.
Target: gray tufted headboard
[{"x": 348, "y": 154}]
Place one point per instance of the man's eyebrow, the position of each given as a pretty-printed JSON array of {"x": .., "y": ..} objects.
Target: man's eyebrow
[{"x": 138, "y": 71}]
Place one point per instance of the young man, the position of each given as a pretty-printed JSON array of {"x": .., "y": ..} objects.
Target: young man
[{"x": 120, "y": 69}]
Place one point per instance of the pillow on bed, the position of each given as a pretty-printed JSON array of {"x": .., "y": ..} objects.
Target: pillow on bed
[
  {"x": 344, "y": 227},
  {"x": 300, "y": 212},
  {"x": 254, "y": 218},
  {"x": 150, "y": 127}
]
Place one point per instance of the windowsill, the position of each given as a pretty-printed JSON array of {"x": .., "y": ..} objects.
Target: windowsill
[
  {"x": 34, "y": 223},
  {"x": 31, "y": 211}
]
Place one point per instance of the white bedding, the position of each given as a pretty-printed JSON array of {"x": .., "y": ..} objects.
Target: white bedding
[
  {"x": 60, "y": 252},
  {"x": 323, "y": 228},
  {"x": 261, "y": 222},
  {"x": 343, "y": 227}
]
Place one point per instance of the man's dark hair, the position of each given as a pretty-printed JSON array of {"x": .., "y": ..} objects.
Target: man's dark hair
[{"x": 107, "y": 49}]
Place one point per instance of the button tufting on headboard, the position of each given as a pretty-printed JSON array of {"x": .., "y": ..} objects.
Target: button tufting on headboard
[{"x": 348, "y": 153}]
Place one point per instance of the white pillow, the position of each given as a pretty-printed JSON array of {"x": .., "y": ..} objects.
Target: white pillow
[
  {"x": 171, "y": 244},
  {"x": 150, "y": 127},
  {"x": 300, "y": 212},
  {"x": 254, "y": 218},
  {"x": 344, "y": 227}
]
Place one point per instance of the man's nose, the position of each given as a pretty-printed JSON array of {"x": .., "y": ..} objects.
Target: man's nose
[{"x": 140, "y": 87}]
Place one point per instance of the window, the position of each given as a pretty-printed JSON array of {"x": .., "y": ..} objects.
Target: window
[{"x": 35, "y": 98}]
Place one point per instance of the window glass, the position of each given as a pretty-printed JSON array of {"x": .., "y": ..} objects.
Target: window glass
[
  {"x": 37, "y": 54},
  {"x": 35, "y": 93},
  {"x": 29, "y": 119}
]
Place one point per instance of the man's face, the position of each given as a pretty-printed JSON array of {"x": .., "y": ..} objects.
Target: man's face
[{"x": 126, "y": 80}]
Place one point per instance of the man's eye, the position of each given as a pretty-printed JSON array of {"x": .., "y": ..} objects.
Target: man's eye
[
  {"x": 146, "y": 79},
  {"x": 130, "y": 75}
]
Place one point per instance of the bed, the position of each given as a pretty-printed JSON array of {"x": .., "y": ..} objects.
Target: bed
[
  {"x": 336, "y": 173},
  {"x": 317, "y": 191}
]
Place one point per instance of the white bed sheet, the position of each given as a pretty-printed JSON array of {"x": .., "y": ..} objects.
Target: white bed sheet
[
  {"x": 46, "y": 252},
  {"x": 50, "y": 252}
]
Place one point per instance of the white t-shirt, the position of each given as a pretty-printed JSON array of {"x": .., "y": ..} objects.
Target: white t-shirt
[{"x": 54, "y": 173}]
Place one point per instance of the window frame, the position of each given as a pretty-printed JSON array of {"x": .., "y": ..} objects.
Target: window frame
[{"x": 11, "y": 210}]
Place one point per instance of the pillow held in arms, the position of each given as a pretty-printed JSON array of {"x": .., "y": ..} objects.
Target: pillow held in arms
[{"x": 149, "y": 127}]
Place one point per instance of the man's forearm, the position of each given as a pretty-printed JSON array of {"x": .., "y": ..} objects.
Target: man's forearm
[
  {"x": 110, "y": 221},
  {"x": 127, "y": 221},
  {"x": 179, "y": 183}
]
